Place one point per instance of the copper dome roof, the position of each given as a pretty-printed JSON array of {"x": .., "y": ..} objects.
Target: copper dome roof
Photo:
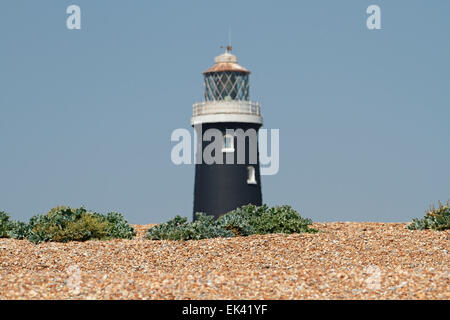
[{"x": 226, "y": 62}]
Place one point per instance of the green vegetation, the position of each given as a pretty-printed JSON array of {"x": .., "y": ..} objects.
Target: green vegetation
[
  {"x": 180, "y": 229},
  {"x": 63, "y": 224},
  {"x": 435, "y": 219},
  {"x": 244, "y": 221},
  {"x": 5, "y": 225},
  {"x": 251, "y": 219}
]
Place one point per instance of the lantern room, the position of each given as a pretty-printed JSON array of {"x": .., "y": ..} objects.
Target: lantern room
[{"x": 226, "y": 80}]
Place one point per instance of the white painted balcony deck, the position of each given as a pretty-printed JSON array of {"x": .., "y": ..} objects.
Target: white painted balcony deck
[{"x": 226, "y": 111}]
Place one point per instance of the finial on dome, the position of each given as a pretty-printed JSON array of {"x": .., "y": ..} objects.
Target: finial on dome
[
  {"x": 228, "y": 48},
  {"x": 226, "y": 62}
]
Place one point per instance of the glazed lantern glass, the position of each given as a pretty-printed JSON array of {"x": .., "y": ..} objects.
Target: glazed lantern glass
[
  {"x": 226, "y": 85},
  {"x": 226, "y": 80}
]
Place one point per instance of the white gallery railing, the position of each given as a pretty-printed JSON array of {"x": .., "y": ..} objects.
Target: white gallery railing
[{"x": 220, "y": 107}]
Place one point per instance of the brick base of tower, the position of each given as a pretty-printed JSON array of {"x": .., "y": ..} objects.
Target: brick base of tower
[{"x": 220, "y": 188}]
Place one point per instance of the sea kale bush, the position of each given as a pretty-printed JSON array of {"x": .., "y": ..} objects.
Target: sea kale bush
[
  {"x": 238, "y": 222},
  {"x": 243, "y": 221},
  {"x": 19, "y": 230},
  {"x": 118, "y": 227},
  {"x": 179, "y": 228},
  {"x": 435, "y": 218},
  {"x": 63, "y": 224},
  {"x": 5, "y": 225},
  {"x": 11, "y": 228},
  {"x": 251, "y": 219}
]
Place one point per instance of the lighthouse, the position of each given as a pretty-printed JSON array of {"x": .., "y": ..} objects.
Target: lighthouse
[{"x": 226, "y": 123}]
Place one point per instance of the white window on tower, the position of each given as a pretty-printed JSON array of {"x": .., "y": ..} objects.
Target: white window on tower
[
  {"x": 228, "y": 143},
  {"x": 251, "y": 177}
]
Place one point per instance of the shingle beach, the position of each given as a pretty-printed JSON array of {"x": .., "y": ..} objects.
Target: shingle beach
[{"x": 343, "y": 261}]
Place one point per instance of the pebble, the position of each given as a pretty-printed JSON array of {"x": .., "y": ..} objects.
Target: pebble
[{"x": 344, "y": 261}]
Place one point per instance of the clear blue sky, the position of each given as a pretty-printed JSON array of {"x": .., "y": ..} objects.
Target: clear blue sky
[{"x": 86, "y": 116}]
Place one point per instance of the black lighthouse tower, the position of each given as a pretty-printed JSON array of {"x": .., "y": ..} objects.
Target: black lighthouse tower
[{"x": 226, "y": 125}]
